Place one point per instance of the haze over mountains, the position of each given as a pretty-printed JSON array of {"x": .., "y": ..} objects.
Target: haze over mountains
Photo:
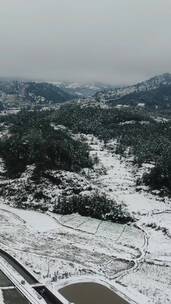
[
  {"x": 21, "y": 93},
  {"x": 83, "y": 89},
  {"x": 16, "y": 93}
]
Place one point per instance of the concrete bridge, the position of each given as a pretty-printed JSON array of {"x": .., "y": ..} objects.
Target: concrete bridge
[{"x": 25, "y": 283}]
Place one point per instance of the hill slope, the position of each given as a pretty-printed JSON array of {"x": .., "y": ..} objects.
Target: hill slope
[
  {"x": 155, "y": 91},
  {"x": 20, "y": 93}
]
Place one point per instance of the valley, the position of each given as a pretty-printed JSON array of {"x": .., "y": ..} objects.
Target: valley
[
  {"x": 85, "y": 200},
  {"x": 60, "y": 250}
]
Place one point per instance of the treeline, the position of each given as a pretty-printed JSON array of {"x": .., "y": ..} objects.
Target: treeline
[
  {"x": 96, "y": 205},
  {"x": 33, "y": 140},
  {"x": 104, "y": 123}
]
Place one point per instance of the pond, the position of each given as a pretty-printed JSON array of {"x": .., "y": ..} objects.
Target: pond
[{"x": 90, "y": 293}]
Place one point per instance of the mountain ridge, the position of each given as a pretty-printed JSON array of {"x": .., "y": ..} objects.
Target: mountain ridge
[{"x": 154, "y": 83}]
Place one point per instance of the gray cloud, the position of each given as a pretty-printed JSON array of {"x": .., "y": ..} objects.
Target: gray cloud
[{"x": 115, "y": 41}]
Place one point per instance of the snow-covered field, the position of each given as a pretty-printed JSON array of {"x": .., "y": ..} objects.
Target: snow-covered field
[{"x": 135, "y": 259}]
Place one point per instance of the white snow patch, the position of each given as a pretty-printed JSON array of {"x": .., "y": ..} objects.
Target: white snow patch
[{"x": 34, "y": 220}]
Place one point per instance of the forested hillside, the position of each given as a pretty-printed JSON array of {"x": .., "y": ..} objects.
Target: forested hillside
[
  {"x": 42, "y": 168},
  {"x": 153, "y": 93},
  {"x": 33, "y": 140},
  {"x": 160, "y": 97},
  {"x": 48, "y": 92},
  {"x": 22, "y": 94},
  {"x": 137, "y": 133}
]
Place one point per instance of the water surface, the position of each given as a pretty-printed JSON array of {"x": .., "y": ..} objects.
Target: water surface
[
  {"x": 13, "y": 296},
  {"x": 4, "y": 281},
  {"x": 90, "y": 293}
]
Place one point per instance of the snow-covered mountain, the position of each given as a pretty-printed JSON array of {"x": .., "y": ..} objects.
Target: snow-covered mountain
[
  {"x": 145, "y": 86},
  {"x": 82, "y": 89}
]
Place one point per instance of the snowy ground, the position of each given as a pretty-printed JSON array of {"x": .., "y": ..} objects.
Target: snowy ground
[{"x": 58, "y": 249}]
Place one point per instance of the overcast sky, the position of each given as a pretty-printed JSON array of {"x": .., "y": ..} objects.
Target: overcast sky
[{"x": 114, "y": 41}]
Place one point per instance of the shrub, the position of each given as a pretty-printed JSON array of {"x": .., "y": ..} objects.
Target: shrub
[{"x": 97, "y": 206}]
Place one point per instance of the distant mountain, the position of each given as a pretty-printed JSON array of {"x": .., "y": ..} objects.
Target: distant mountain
[
  {"x": 155, "y": 91},
  {"x": 48, "y": 92},
  {"x": 14, "y": 93},
  {"x": 82, "y": 89},
  {"x": 160, "y": 97},
  {"x": 18, "y": 93}
]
